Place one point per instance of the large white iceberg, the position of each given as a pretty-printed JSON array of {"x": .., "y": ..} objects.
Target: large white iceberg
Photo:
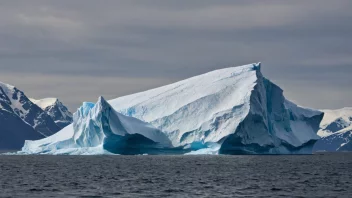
[{"x": 228, "y": 111}]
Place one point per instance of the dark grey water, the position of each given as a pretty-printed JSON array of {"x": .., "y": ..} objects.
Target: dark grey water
[{"x": 328, "y": 175}]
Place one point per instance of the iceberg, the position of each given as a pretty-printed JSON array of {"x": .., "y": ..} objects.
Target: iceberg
[
  {"x": 228, "y": 111},
  {"x": 99, "y": 129}
]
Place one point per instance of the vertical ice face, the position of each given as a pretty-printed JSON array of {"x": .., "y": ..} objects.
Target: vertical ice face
[
  {"x": 273, "y": 125},
  {"x": 102, "y": 125},
  {"x": 228, "y": 111},
  {"x": 87, "y": 125}
]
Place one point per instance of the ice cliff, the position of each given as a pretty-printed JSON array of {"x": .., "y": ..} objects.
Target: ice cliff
[{"x": 228, "y": 111}]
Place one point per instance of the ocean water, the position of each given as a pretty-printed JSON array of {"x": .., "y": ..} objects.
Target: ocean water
[{"x": 319, "y": 175}]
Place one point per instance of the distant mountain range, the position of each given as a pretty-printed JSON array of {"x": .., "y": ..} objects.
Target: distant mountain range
[
  {"x": 56, "y": 110},
  {"x": 22, "y": 119},
  {"x": 335, "y": 131}
]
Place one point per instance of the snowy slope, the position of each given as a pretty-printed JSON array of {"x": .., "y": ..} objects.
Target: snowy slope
[
  {"x": 20, "y": 119},
  {"x": 56, "y": 110},
  {"x": 335, "y": 130},
  {"x": 335, "y": 120},
  {"x": 228, "y": 111},
  {"x": 235, "y": 107},
  {"x": 338, "y": 141},
  {"x": 13, "y": 130},
  {"x": 187, "y": 109},
  {"x": 27, "y": 110}
]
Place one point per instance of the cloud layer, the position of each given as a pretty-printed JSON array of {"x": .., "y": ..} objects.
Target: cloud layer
[{"x": 77, "y": 50}]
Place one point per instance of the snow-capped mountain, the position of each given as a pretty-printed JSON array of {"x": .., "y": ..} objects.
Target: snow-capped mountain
[
  {"x": 335, "y": 120},
  {"x": 27, "y": 110},
  {"x": 228, "y": 111},
  {"x": 335, "y": 131},
  {"x": 13, "y": 130},
  {"x": 21, "y": 119},
  {"x": 56, "y": 110}
]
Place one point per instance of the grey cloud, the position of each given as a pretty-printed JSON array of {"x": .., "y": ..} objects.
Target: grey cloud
[
  {"x": 73, "y": 90},
  {"x": 304, "y": 41}
]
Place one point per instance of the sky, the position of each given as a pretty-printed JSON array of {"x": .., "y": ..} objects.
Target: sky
[{"x": 77, "y": 50}]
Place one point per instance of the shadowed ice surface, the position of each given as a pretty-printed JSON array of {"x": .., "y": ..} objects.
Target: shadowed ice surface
[{"x": 320, "y": 175}]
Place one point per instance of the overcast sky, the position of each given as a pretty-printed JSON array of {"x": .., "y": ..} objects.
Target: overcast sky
[{"x": 77, "y": 50}]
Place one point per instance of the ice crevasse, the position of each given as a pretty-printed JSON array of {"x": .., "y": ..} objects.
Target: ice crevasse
[{"x": 228, "y": 111}]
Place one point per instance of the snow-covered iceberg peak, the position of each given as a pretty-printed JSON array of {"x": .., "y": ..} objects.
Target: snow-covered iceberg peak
[
  {"x": 203, "y": 108},
  {"x": 227, "y": 111},
  {"x": 257, "y": 66},
  {"x": 102, "y": 125},
  {"x": 87, "y": 124}
]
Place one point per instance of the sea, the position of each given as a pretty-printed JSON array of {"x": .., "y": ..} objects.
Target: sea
[{"x": 318, "y": 175}]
